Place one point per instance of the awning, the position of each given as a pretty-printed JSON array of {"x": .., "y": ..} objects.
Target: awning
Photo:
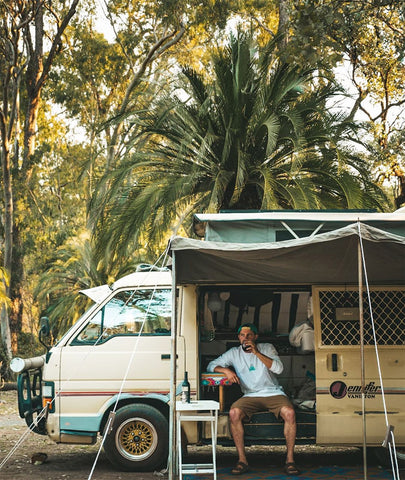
[{"x": 327, "y": 258}]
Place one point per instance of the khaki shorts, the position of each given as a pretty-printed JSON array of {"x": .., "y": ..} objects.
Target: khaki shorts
[{"x": 251, "y": 405}]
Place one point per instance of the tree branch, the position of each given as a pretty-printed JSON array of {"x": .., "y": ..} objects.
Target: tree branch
[
  {"x": 262, "y": 25},
  {"x": 155, "y": 51},
  {"x": 56, "y": 44}
]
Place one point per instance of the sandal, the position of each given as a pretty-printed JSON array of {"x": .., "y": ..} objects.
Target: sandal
[
  {"x": 291, "y": 469},
  {"x": 240, "y": 468}
]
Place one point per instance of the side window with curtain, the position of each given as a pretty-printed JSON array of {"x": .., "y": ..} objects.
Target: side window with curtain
[{"x": 129, "y": 312}]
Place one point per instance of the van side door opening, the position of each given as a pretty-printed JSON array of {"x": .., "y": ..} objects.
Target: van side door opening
[{"x": 275, "y": 310}]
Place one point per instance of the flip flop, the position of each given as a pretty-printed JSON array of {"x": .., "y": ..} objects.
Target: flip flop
[
  {"x": 291, "y": 469},
  {"x": 240, "y": 468}
]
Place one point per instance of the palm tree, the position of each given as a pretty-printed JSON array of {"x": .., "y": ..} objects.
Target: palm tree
[
  {"x": 253, "y": 133},
  {"x": 76, "y": 266}
]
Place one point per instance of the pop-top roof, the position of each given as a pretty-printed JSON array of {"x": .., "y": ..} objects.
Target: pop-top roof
[{"x": 270, "y": 226}]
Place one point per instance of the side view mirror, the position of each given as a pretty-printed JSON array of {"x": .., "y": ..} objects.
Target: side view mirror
[
  {"x": 44, "y": 331},
  {"x": 44, "y": 328}
]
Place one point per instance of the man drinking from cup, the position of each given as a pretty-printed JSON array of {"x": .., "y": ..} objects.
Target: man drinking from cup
[{"x": 254, "y": 368}]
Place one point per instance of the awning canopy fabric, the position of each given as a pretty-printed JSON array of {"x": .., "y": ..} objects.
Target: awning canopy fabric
[{"x": 327, "y": 258}]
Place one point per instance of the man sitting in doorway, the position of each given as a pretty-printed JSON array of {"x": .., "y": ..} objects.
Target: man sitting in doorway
[{"x": 254, "y": 368}]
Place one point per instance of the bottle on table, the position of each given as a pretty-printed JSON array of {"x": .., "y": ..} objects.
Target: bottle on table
[{"x": 185, "y": 389}]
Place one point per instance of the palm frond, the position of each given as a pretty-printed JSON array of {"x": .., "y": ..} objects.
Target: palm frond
[{"x": 256, "y": 134}]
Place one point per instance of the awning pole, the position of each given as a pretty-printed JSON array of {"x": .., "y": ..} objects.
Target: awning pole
[
  {"x": 173, "y": 454},
  {"x": 363, "y": 396}
]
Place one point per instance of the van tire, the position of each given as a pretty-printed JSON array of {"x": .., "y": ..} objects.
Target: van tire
[
  {"x": 382, "y": 455},
  {"x": 138, "y": 441}
]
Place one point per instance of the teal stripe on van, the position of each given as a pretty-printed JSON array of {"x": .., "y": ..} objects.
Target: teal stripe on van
[{"x": 74, "y": 425}]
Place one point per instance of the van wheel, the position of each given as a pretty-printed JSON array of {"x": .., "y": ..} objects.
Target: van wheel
[
  {"x": 138, "y": 440},
  {"x": 382, "y": 456}
]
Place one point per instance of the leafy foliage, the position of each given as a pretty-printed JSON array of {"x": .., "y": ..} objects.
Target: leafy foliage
[
  {"x": 75, "y": 267},
  {"x": 257, "y": 135},
  {"x": 4, "y": 281},
  {"x": 243, "y": 125}
]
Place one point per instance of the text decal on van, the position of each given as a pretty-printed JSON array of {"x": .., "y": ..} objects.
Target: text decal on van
[{"x": 339, "y": 390}]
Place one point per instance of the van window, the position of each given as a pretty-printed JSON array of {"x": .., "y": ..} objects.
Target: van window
[
  {"x": 387, "y": 305},
  {"x": 129, "y": 312}
]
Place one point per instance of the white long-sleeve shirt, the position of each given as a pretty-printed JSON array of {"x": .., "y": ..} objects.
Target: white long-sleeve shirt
[{"x": 256, "y": 380}]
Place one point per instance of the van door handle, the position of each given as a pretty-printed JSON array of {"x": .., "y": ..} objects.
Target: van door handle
[
  {"x": 334, "y": 362},
  {"x": 166, "y": 356}
]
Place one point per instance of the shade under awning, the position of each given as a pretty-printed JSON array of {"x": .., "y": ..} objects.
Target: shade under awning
[{"x": 328, "y": 258}]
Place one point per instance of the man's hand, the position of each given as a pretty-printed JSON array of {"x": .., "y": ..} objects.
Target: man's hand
[
  {"x": 229, "y": 373},
  {"x": 249, "y": 346}
]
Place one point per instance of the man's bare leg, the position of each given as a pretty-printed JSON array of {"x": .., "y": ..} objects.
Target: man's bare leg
[
  {"x": 236, "y": 416},
  {"x": 290, "y": 431}
]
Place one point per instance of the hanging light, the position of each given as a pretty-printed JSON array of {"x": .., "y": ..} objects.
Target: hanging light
[
  {"x": 224, "y": 296},
  {"x": 214, "y": 303}
]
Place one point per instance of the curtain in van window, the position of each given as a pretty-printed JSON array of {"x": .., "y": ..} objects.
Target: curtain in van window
[{"x": 279, "y": 315}]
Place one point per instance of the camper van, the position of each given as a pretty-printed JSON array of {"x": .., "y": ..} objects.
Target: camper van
[{"x": 327, "y": 289}]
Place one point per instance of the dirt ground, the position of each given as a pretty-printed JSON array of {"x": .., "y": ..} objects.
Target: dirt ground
[
  {"x": 18, "y": 447},
  {"x": 63, "y": 461}
]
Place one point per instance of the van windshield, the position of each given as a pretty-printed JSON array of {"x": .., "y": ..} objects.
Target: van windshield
[
  {"x": 129, "y": 312},
  {"x": 93, "y": 307}
]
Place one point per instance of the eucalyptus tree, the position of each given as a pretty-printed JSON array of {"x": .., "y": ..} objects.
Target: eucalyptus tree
[
  {"x": 254, "y": 133},
  {"x": 367, "y": 38},
  {"x": 99, "y": 78},
  {"x": 31, "y": 36}
]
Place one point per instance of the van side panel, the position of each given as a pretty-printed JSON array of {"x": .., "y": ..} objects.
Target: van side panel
[{"x": 338, "y": 366}]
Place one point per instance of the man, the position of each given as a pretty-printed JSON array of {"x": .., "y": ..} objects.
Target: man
[{"x": 254, "y": 368}]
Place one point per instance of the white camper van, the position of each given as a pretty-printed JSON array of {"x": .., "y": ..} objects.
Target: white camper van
[{"x": 327, "y": 289}]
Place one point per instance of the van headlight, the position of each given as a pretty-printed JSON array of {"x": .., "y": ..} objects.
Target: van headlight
[{"x": 48, "y": 396}]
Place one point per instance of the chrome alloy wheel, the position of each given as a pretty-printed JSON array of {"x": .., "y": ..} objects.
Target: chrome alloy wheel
[{"x": 136, "y": 439}]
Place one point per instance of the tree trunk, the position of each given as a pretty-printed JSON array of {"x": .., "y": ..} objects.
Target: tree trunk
[
  {"x": 5, "y": 332},
  {"x": 16, "y": 290},
  {"x": 30, "y": 129},
  {"x": 8, "y": 233},
  {"x": 283, "y": 23}
]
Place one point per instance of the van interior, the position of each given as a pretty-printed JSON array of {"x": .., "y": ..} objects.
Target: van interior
[{"x": 283, "y": 316}]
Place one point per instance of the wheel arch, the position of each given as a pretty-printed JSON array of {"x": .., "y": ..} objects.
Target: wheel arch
[{"x": 160, "y": 402}]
